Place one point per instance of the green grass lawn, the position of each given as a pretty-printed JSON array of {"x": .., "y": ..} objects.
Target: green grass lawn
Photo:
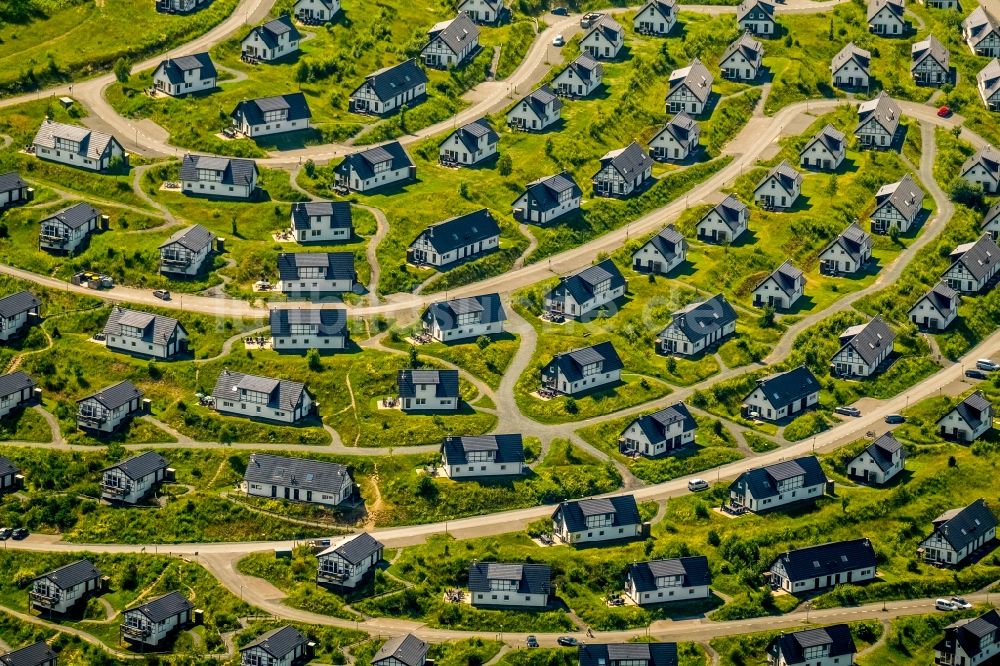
[
  {"x": 747, "y": 649},
  {"x": 487, "y": 363}
]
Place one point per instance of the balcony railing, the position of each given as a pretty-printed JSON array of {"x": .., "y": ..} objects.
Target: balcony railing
[
  {"x": 136, "y": 632},
  {"x": 54, "y": 240},
  {"x": 114, "y": 490},
  {"x": 176, "y": 261},
  {"x": 45, "y": 600},
  {"x": 92, "y": 420},
  {"x": 334, "y": 576}
]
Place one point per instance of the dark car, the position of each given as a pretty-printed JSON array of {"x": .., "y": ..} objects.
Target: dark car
[
  {"x": 567, "y": 641},
  {"x": 5, "y": 533},
  {"x": 20, "y": 533},
  {"x": 975, "y": 374},
  {"x": 162, "y": 294},
  {"x": 560, "y": 11},
  {"x": 532, "y": 641},
  {"x": 848, "y": 411},
  {"x": 895, "y": 418}
]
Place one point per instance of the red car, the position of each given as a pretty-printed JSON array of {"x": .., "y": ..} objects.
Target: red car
[{"x": 944, "y": 112}]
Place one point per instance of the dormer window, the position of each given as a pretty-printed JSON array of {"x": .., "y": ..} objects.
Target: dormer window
[
  {"x": 255, "y": 397},
  {"x": 591, "y": 369},
  {"x": 792, "y": 483},
  {"x": 504, "y": 585},
  {"x": 275, "y": 116},
  {"x": 209, "y": 176},
  {"x": 468, "y": 318},
  {"x": 600, "y": 520},
  {"x": 312, "y": 272},
  {"x": 481, "y": 456},
  {"x": 381, "y": 167},
  {"x": 302, "y": 329},
  {"x": 602, "y": 286},
  {"x": 67, "y": 144},
  {"x": 815, "y": 652},
  {"x": 131, "y": 331}
]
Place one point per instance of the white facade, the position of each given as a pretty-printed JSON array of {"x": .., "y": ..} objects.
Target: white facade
[
  {"x": 777, "y": 192},
  {"x": 569, "y": 83},
  {"x": 863, "y": 466},
  {"x": 425, "y": 398},
  {"x": 669, "y": 588},
  {"x": 268, "y": 127},
  {"x": 193, "y": 81},
  {"x": 117, "y": 486},
  {"x": 137, "y": 627},
  {"x": 769, "y": 292},
  {"x": 455, "y": 151},
  {"x": 332, "y": 567},
  {"x": 851, "y": 74},
  {"x": 649, "y": 20},
  {"x": 68, "y": 151},
  {"x": 482, "y": 11},
  {"x": 597, "y": 529},
  {"x": 49, "y": 597},
  {"x": 316, "y": 10},
  {"x": 254, "y": 46},
  {"x": 648, "y": 257},
  {"x": 485, "y": 467},
  {"x": 789, "y": 492},
  {"x": 602, "y": 41},
  {"x": 818, "y": 155},
  {"x": 130, "y": 341},
  {"x": 675, "y": 437},
  {"x": 759, "y": 402},
  {"x": 294, "y": 493},
  {"x": 926, "y": 314},
  {"x": 440, "y": 52},
  {"x": 534, "y": 117},
  {"x": 819, "y": 582},
  {"x": 57, "y": 236},
  {"x": 466, "y": 330},
  {"x": 91, "y": 415},
  {"x": 249, "y": 405},
  {"x": 936, "y": 548},
  {"x": 11, "y": 326},
  {"x": 887, "y": 23},
  {"x": 712, "y": 227}
]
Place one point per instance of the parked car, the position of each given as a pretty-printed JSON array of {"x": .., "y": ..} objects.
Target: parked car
[
  {"x": 945, "y": 605},
  {"x": 532, "y": 641},
  {"x": 975, "y": 374},
  {"x": 19, "y": 533},
  {"x": 987, "y": 365},
  {"x": 960, "y": 602},
  {"x": 944, "y": 112},
  {"x": 162, "y": 294},
  {"x": 560, "y": 11},
  {"x": 848, "y": 411},
  {"x": 895, "y": 418},
  {"x": 694, "y": 485},
  {"x": 558, "y": 41},
  {"x": 5, "y": 533},
  {"x": 567, "y": 641}
]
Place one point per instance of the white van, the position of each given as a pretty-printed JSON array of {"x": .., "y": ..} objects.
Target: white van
[
  {"x": 694, "y": 485},
  {"x": 987, "y": 364}
]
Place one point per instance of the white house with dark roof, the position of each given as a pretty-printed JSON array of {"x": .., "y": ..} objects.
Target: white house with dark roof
[
  {"x": 428, "y": 390},
  {"x": 991, "y": 221},
  {"x": 930, "y": 62},
  {"x": 885, "y": 18},
  {"x": 547, "y": 198},
  {"x": 271, "y": 41},
  {"x": 457, "y": 239},
  {"x": 598, "y": 519},
  {"x": 851, "y": 67},
  {"x": 348, "y": 561},
  {"x": 974, "y": 265},
  {"x": 970, "y": 641},
  {"x": 464, "y": 318},
  {"x": 689, "y": 89},
  {"x": 145, "y": 334},
  {"x": 483, "y": 456},
  {"x": 825, "y": 646},
  {"x": 969, "y": 420},
  {"x": 757, "y": 17},
  {"x": 656, "y": 17},
  {"x": 824, "y": 566},
  {"x": 783, "y": 483},
  {"x": 936, "y": 309},
  {"x": 451, "y": 42},
  {"x": 256, "y": 397},
  {"x": 878, "y": 122},
  {"x": 879, "y": 462},
  {"x": 579, "y": 78},
  {"x": 848, "y": 253},
  {"x": 742, "y": 59},
  {"x": 495, "y": 584},
  {"x": 697, "y": 326},
  {"x": 283, "y": 646},
  {"x": 535, "y": 111},
  {"x": 10, "y": 474},
  {"x": 587, "y": 290},
  {"x": 297, "y": 480},
  {"x": 958, "y": 533},
  {"x": 184, "y": 254},
  {"x": 61, "y": 589},
  {"x": 627, "y": 654},
  {"x": 783, "y": 394},
  {"x": 470, "y": 144},
  {"x": 185, "y": 75},
  {"x": 779, "y": 188},
  {"x": 724, "y": 222},
  {"x": 229, "y": 177},
  {"x": 781, "y": 289},
  {"x": 666, "y": 581},
  {"x": 863, "y": 349},
  {"x": 826, "y": 150},
  {"x": 17, "y": 311},
  {"x": 981, "y": 32},
  {"x": 677, "y": 140},
  {"x": 106, "y": 410},
  {"x": 604, "y": 38},
  {"x": 390, "y": 88},
  {"x": 17, "y": 389},
  {"x": 77, "y": 146},
  {"x": 13, "y": 190},
  {"x": 132, "y": 480},
  {"x": 316, "y": 272},
  {"x": 662, "y": 253},
  {"x": 405, "y": 650},
  {"x": 623, "y": 172},
  {"x": 298, "y": 330},
  {"x": 156, "y": 620},
  {"x": 266, "y": 116},
  {"x": 36, "y": 654},
  {"x": 315, "y": 11},
  {"x": 897, "y": 205},
  {"x": 584, "y": 369},
  {"x": 483, "y": 11},
  {"x": 656, "y": 434},
  {"x": 375, "y": 167},
  {"x": 68, "y": 229},
  {"x": 984, "y": 167},
  {"x": 322, "y": 221},
  {"x": 179, "y": 6}
]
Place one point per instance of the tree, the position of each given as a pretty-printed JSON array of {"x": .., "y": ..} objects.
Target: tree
[
  {"x": 123, "y": 70},
  {"x": 314, "y": 361},
  {"x": 310, "y": 168},
  {"x": 968, "y": 194},
  {"x": 414, "y": 357},
  {"x": 302, "y": 72},
  {"x": 483, "y": 341},
  {"x": 766, "y": 319},
  {"x": 571, "y": 406},
  {"x": 505, "y": 165}
]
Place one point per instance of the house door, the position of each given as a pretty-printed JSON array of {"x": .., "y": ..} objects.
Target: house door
[
  {"x": 274, "y": 491},
  {"x": 655, "y": 266},
  {"x": 286, "y": 494}
]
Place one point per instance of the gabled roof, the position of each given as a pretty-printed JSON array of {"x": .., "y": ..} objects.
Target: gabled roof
[
  {"x": 495, "y": 5},
  {"x": 455, "y": 33},
  {"x": 156, "y": 329},
  {"x": 329, "y": 321},
  {"x": 788, "y": 178},
  {"x": 831, "y": 138},
  {"x": 12, "y": 383},
  {"x": 271, "y": 31},
  {"x": 979, "y": 258},
  {"x": 882, "y": 450},
  {"x": 992, "y": 214},
  {"x": 762, "y": 482},
  {"x": 747, "y": 6},
  {"x": 630, "y": 162},
  {"x": 283, "y": 394},
  {"x": 792, "y": 646},
  {"x": 851, "y": 52},
  {"x": 338, "y": 265},
  {"x": 980, "y": 24},
  {"x": 702, "y": 319},
  {"x": 585, "y": 67},
  {"x": 531, "y": 578},
  {"x": 581, "y": 285},
  {"x": 339, "y": 213},
  {"x": 278, "y": 642},
  {"x": 929, "y": 48},
  {"x": 941, "y": 296},
  {"x": 316, "y": 475},
  {"x": 35, "y": 654},
  {"x": 470, "y": 134},
  {"x": 174, "y": 68},
  {"x": 14, "y": 304},
  {"x": 75, "y": 216},
  {"x": 731, "y": 210},
  {"x": 654, "y": 426},
  {"x": 669, "y": 242},
  {"x": 538, "y": 99},
  {"x": 70, "y": 575},
  {"x": 608, "y": 27},
  {"x": 140, "y": 466},
  {"x": 973, "y": 409},
  {"x": 960, "y": 527},
  {"x": 571, "y": 363},
  {"x": 969, "y": 634},
  {"x": 253, "y": 110},
  {"x": 460, "y": 231},
  {"x": 749, "y": 48},
  {"x": 363, "y": 162},
  {"x": 665, "y": 8},
  {"x": 11, "y": 181},
  {"x": 853, "y": 240},
  {"x": 681, "y": 127},
  {"x": 988, "y": 78},
  {"x": 894, "y": 6},
  {"x": 904, "y": 195},
  {"x": 883, "y": 110},
  {"x": 507, "y": 448},
  {"x": 408, "y": 650},
  {"x": 786, "y": 276},
  {"x": 784, "y": 388},
  {"x": 93, "y": 144},
  {"x": 696, "y": 77},
  {"x": 868, "y": 340},
  {"x": 446, "y": 313},
  {"x": 545, "y": 191},
  {"x": 8, "y": 467},
  {"x": 445, "y": 380},
  {"x": 828, "y": 559},
  {"x": 234, "y": 170},
  {"x": 116, "y": 395},
  {"x": 987, "y": 157},
  {"x": 354, "y": 548},
  {"x": 654, "y": 654},
  {"x": 694, "y": 571},
  {"x": 195, "y": 238},
  {"x": 163, "y": 607},
  {"x": 622, "y": 507}
]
